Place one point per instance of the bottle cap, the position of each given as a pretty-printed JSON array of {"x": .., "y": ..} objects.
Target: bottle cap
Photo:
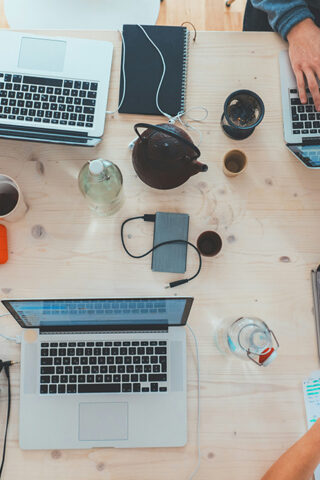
[
  {"x": 96, "y": 167},
  {"x": 267, "y": 356}
]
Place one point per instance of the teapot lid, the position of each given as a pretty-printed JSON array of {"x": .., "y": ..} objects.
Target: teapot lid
[{"x": 165, "y": 128}]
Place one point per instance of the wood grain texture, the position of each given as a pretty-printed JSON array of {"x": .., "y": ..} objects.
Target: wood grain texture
[
  {"x": 3, "y": 20},
  {"x": 204, "y": 14},
  {"x": 268, "y": 219}
]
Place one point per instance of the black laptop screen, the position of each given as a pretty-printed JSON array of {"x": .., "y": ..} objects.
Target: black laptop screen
[{"x": 99, "y": 312}]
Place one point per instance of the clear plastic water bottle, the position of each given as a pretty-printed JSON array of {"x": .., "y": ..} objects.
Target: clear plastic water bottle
[
  {"x": 100, "y": 181},
  {"x": 247, "y": 338}
]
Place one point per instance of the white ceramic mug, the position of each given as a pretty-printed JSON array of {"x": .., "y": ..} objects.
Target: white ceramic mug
[{"x": 12, "y": 204}]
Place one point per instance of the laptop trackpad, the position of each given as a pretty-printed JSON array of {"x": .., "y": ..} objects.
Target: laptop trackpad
[
  {"x": 42, "y": 54},
  {"x": 103, "y": 421}
]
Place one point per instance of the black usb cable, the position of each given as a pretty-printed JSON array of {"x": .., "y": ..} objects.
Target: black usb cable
[
  {"x": 151, "y": 218},
  {"x": 6, "y": 367}
]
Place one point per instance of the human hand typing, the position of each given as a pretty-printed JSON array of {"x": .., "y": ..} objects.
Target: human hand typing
[{"x": 304, "y": 53}]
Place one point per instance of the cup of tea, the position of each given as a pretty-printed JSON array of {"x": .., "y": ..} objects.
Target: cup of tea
[
  {"x": 234, "y": 163},
  {"x": 243, "y": 111},
  {"x": 209, "y": 243},
  {"x": 12, "y": 204}
]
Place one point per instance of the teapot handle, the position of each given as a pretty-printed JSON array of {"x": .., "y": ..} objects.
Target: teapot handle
[{"x": 168, "y": 132}]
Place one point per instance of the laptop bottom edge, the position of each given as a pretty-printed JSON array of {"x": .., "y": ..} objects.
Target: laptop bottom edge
[{"x": 81, "y": 141}]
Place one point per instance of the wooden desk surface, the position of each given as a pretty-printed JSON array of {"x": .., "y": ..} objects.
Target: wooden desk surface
[{"x": 269, "y": 221}]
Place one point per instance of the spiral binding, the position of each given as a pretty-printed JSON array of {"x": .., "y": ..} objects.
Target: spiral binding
[{"x": 185, "y": 69}]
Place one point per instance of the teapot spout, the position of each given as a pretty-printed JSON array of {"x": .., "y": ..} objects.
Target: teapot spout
[{"x": 197, "y": 167}]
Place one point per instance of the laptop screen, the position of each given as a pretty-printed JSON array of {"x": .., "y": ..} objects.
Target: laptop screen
[
  {"x": 116, "y": 312},
  {"x": 308, "y": 154}
]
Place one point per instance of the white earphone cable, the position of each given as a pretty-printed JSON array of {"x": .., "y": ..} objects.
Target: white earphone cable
[
  {"x": 170, "y": 118},
  {"x": 16, "y": 339},
  {"x": 183, "y": 112},
  {"x": 123, "y": 75}
]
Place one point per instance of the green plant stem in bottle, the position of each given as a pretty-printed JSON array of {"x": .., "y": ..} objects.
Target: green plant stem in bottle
[{"x": 100, "y": 181}]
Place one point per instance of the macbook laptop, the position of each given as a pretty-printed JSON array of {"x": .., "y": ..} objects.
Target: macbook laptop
[
  {"x": 53, "y": 89},
  {"x": 301, "y": 122},
  {"x": 105, "y": 372}
]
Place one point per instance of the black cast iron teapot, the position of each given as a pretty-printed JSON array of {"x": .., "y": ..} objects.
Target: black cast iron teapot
[{"x": 164, "y": 156}]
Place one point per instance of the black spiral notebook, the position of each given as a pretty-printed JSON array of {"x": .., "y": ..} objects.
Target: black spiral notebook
[{"x": 143, "y": 69}]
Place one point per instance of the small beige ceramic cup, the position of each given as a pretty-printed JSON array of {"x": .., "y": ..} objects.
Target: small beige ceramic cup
[
  {"x": 234, "y": 163},
  {"x": 12, "y": 204}
]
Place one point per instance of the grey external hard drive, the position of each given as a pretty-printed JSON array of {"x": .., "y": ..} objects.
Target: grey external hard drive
[{"x": 170, "y": 258}]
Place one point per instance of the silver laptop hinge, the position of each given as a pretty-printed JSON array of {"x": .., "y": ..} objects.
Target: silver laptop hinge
[{"x": 311, "y": 141}]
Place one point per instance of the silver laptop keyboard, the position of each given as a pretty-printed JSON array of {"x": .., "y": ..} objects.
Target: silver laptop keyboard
[
  {"x": 47, "y": 100},
  {"x": 103, "y": 367},
  {"x": 305, "y": 118}
]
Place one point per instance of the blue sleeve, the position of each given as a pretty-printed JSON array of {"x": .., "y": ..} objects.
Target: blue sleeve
[{"x": 284, "y": 14}]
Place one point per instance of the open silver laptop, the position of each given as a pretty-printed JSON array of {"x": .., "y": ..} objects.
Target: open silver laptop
[
  {"x": 102, "y": 372},
  {"x": 301, "y": 123},
  {"x": 53, "y": 89}
]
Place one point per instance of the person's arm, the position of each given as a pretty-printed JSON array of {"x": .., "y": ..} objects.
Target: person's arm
[
  {"x": 294, "y": 21},
  {"x": 283, "y": 15},
  {"x": 300, "y": 461}
]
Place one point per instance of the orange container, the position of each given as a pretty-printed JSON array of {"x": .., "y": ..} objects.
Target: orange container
[{"x": 3, "y": 244}]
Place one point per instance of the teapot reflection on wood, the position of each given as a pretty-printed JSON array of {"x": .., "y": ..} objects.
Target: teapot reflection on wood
[{"x": 164, "y": 156}]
